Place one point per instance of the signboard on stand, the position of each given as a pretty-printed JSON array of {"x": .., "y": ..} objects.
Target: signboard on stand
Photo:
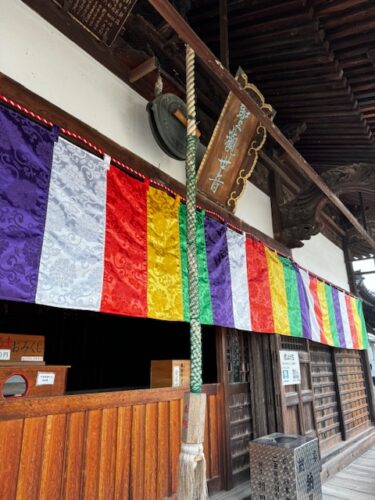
[{"x": 290, "y": 368}]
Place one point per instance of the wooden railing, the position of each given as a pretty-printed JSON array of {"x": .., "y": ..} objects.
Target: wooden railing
[{"x": 114, "y": 445}]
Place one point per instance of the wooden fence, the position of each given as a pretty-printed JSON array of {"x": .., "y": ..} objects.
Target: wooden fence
[{"x": 115, "y": 445}]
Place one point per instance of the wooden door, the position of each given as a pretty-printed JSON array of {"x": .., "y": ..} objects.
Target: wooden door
[
  {"x": 298, "y": 400},
  {"x": 245, "y": 370},
  {"x": 233, "y": 373},
  {"x": 239, "y": 401}
]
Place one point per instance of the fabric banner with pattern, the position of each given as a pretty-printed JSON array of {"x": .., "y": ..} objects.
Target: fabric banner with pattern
[{"x": 80, "y": 234}]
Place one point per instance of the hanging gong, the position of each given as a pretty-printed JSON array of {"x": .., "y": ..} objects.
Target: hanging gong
[{"x": 168, "y": 131}]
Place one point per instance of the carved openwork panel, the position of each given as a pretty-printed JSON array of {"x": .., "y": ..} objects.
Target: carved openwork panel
[{"x": 237, "y": 356}]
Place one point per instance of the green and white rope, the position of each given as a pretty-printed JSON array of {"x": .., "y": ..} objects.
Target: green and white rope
[{"x": 191, "y": 146}]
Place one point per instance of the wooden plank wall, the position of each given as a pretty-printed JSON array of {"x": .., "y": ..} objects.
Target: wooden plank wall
[{"x": 121, "y": 445}]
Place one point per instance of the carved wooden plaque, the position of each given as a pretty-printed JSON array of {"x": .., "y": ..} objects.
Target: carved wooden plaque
[
  {"x": 233, "y": 149},
  {"x": 102, "y": 18}
]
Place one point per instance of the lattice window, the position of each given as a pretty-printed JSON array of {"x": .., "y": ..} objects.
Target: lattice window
[
  {"x": 293, "y": 344},
  {"x": 238, "y": 356}
]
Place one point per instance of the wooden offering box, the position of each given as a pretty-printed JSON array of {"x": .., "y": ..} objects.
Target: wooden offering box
[
  {"x": 20, "y": 348},
  {"x": 23, "y": 380},
  {"x": 170, "y": 373}
]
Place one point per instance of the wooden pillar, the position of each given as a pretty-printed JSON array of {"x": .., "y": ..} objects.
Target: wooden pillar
[
  {"x": 349, "y": 268},
  {"x": 269, "y": 385},
  {"x": 257, "y": 385},
  {"x": 280, "y": 403},
  {"x": 338, "y": 393},
  {"x": 262, "y": 387},
  {"x": 275, "y": 186},
  {"x": 222, "y": 377}
]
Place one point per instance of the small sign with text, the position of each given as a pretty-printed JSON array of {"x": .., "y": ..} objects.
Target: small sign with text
[
  {"x": 4, "y": 354},
  {"x": 45, "y": 378},
  {"x": 290, "y": 368}
]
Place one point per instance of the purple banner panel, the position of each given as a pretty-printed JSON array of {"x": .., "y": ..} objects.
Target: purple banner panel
[
  {"x": 25, "y": 164},
  {"x": 339, "y": 323},
  {"x": 219, "y": 272}
]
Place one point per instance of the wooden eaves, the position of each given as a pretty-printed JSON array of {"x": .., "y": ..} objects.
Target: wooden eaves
[{"x": 224, "y": 77}]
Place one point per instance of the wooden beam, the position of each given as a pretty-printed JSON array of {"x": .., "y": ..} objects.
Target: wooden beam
[
  {"x": 169, "y": 13},
  {"x": 143, "y": 69}
]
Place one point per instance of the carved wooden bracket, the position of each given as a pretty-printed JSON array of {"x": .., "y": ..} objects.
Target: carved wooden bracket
[{"x": 301, "y": 216}]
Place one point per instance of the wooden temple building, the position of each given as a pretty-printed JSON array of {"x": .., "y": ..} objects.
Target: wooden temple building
[{"x": 76, "y": 79}]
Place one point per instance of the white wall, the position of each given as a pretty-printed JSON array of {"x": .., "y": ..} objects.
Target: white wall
[
  {"x": 320, "y": 256},
  {"x": 39, "y": 57},
  {"x": 254, "y": 207}
]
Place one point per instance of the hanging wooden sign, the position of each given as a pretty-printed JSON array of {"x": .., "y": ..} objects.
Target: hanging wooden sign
[
  {"x": 102, "y": 18},
  {"x": 233, "y": 150}
]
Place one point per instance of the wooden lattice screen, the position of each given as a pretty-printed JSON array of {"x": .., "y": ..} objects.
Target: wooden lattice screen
[
  {"x": 352, "y": 390},
  {"x": 325, "y": 394}
]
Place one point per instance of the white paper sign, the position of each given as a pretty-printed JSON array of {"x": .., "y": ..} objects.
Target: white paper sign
[
  {"x": 31, "y": 358},
  {"x": 176, "y": 376},
  {"x": 45, "y": 378},
  {"x": 290, "y": 368},
  {"x": 4, "y": 354}
]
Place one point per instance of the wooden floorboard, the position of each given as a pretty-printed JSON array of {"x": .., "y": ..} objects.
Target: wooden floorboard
[
  {"x": 241, "y": 492},
  {"x": 355, "y": 482}
]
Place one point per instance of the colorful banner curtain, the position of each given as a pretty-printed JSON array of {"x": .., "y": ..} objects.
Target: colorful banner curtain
[{"x": 80, "y": 234}]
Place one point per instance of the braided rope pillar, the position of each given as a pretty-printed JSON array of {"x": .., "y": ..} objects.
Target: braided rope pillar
[
  {"x": 191, "y": 145},
  {"x": 192, "y": 484}
]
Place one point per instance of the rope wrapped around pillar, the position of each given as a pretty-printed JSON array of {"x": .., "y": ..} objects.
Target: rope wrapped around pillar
[
  {"x": 191, "y": 145},
  {"x": 192, "y": 483}
]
